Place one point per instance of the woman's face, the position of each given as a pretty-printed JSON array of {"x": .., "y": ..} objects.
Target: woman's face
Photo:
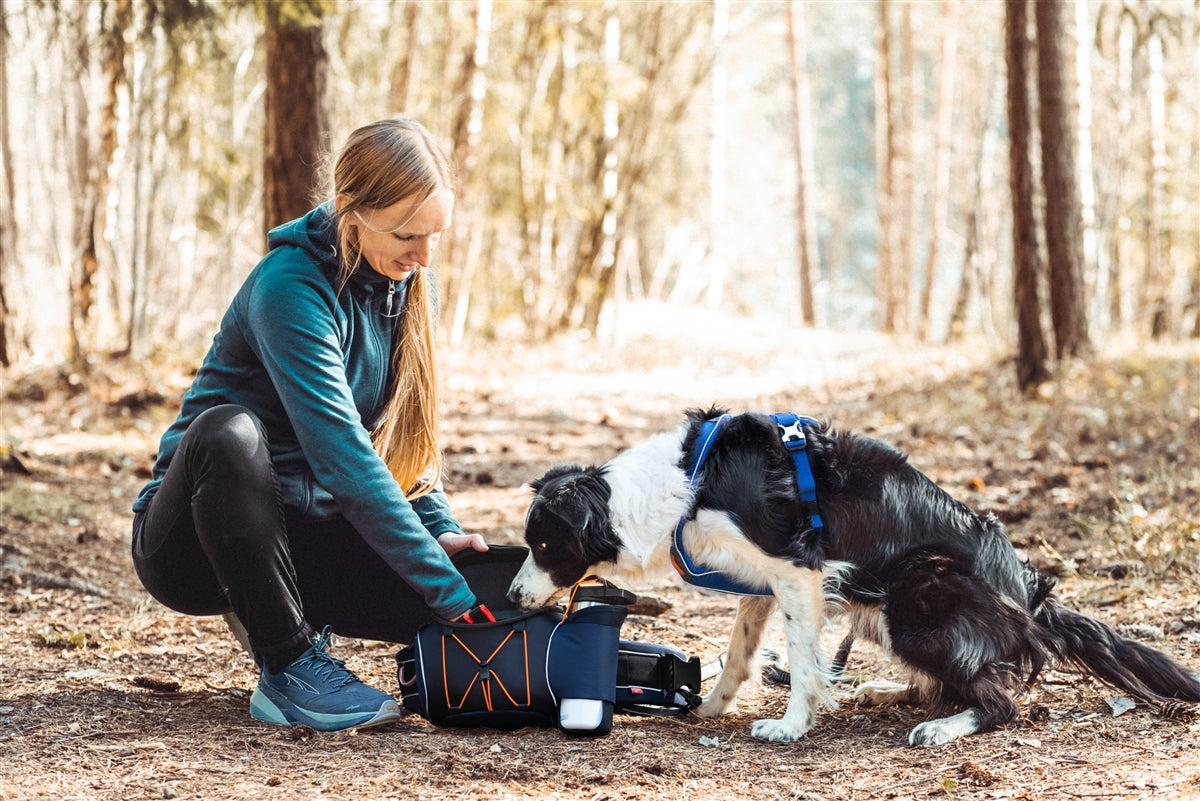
[{"x": 397, "y": 239}]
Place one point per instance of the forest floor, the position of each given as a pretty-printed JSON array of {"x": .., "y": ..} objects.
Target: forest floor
[{"x": 104, "y": 694}]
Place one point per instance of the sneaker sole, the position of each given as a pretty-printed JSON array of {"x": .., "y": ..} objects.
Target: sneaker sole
[{"x": 263, "y": 708}]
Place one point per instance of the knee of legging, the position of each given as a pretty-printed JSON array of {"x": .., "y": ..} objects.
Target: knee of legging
[{"x": 233, "y": 435}]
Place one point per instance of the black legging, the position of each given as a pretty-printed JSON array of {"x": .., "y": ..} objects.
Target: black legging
[{"x": 216, "y": 539}]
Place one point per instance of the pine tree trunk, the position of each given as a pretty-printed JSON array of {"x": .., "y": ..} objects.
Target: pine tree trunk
[
  {"x": 82, "y": 171},
  {"x": 940, "y": 196},
  {"x": 1031, "y": 343},
  {"x": 802, "y": 150},
  {"x": 1063, "y": 231},
  {"x": 404, "y": 30},
  {"x": 296, "y": 128},
  {"x": 885, "y": 135},
  {"x": 468, "y": 116},
  {"x": 8, "y": 195}
]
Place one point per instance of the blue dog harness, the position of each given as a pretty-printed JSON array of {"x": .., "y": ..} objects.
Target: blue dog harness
[{"x": 791, "y": 433}]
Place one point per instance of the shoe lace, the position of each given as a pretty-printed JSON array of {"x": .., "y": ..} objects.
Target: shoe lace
[{"x": 329, "y": 668}]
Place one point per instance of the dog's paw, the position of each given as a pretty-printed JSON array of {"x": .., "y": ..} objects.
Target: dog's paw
[
  {"x": 715, "y": 705},
  {"x": 943, "y": 730},
  {"x": 776, "y": 731},
  {"x": 881, "y": 692}
]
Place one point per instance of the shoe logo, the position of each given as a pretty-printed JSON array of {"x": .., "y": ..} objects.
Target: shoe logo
[{"x": 300, "y": 684}]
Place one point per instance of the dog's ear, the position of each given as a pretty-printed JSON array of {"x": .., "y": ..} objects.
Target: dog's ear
[
  {"x": 554, "y": 472},
  {"x": 573, "y": 495},
  {"x": 567, "y": 508},
  {"x": 697, "y": 415}
]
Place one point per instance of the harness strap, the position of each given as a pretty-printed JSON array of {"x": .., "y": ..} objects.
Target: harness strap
[
  {"x": 692, "y": 573},
  {"x": 791, "y": 433}
]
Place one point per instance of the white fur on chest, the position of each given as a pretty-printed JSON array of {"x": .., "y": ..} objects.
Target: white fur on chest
[{"x": 650, "y": 494}]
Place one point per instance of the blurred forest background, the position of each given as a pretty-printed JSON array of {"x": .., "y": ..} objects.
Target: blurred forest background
[
  {"x": 870, "y": 210},
  {"x": 933, "y": 170}
]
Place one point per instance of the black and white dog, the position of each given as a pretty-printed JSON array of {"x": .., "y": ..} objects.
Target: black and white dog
[{"x": 935, "y": 584}]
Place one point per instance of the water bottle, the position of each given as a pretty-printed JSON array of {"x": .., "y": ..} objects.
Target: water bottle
[{"x": 591, "y": 714}]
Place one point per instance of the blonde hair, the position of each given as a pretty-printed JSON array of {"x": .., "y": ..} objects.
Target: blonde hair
[{"x": 382, "y": 164}]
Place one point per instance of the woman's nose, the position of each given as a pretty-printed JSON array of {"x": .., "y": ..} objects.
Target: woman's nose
[{"x": 422, "y": 250}]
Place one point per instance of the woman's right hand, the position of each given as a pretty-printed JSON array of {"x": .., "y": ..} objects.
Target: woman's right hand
[{"x": 452, "y": 542}]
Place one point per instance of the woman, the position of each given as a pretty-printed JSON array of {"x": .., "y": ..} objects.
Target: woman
[{"x": 299, "y": 488}]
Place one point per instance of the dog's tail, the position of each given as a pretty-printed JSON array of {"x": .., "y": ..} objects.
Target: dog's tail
[{"x": 1137, "y": 669}]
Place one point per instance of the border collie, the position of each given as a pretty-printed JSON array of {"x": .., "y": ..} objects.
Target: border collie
[{"x": 936, "y": 585}]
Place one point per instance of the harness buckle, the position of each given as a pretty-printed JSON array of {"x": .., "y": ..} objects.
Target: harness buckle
[{"x": 792, "y": 434}]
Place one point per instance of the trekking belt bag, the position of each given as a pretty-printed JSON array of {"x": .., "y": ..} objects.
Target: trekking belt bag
[{"x": 544, "y": 667}]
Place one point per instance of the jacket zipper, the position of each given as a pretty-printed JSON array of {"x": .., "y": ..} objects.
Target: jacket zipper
[{"x": 391, "y": 292}]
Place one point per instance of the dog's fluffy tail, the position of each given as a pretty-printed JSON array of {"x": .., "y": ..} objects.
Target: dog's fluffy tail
[{"x": 1137, "y": 669}]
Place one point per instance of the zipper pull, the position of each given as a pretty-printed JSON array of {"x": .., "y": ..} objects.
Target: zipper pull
[{"x": 391, "y": 292}]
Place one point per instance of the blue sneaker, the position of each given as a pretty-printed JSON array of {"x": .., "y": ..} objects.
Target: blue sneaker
[{"x": 317, "y": 690}]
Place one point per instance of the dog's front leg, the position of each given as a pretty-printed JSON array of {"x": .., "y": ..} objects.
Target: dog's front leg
[
  {"x": 802, "y": 603},
  {"x": 752, "y": 615}
]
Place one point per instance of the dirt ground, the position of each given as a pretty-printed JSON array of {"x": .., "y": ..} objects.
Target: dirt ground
[{"x": 104, "y": 694}]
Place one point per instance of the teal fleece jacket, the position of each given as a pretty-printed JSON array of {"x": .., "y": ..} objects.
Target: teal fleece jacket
[{"x": 313, "y": 364}]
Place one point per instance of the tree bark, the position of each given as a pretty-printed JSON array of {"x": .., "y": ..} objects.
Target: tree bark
[
  {"x": 8, "y": 198},
  {"x": 296, "y": 129},
  {"x": 1159, "y": 299},
  {"x": 1064, "y": 243},
  {"x": 1086, "y": 169},
  {"x": 906, "y": 194},
  {"x": 802, "y": 151},
  {"x": 885, "y": 136},
  {"x": 1031, "y": 343},
  {"x": 82, "y": 176},
  {"x": 468, "y": 121},
  {"x": 405, "y": 30},
  {"x": 939, "y": 197}
]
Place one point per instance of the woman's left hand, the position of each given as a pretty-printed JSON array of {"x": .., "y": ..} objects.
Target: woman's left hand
[{"x": 453, "y": 542}]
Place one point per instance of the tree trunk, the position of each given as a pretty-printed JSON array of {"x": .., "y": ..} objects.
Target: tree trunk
[
  {"x": 1087, "y": 177},
  {"x": 8, "y": 195},
  {"x": 405, "y": 31},
  {"x": 1031, "y": 343},
  {"x": 1159, "y": 299},
  {"x": 468, "y": 122},
  {"x": 904, "y": 156},
  {"x": 296, "y": 130},
  {"x": 802, "y": 151},
  {"x": 82, "y": 176},
  {"x": 717, "y": 152},
  {"x": 117, "y": 16},
  {"x": 602, "y": 243},
  {"x": 1062, "y": 219},
  {"x": 1121, "y": 295},
  {"x": 885, "y": 136},
  {"x": 939, "y": 198}
]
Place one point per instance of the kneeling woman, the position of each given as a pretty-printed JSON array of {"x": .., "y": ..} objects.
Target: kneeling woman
[{"x": 299, "y": 489}]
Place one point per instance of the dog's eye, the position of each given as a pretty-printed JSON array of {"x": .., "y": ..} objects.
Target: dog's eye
[{"x": 542, "y": 546}]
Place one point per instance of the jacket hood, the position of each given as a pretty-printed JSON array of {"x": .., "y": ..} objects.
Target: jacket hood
[{"x": 316, "y": 234}]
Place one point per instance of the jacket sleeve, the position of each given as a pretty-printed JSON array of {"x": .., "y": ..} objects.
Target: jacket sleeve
[
  {"x": 434, "y": 510},
  {"x": 291, "y": 323}
]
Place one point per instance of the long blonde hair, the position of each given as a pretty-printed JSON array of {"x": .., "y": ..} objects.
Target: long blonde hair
[{"x": 382, "y": 164}]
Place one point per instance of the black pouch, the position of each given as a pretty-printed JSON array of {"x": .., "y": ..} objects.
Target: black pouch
[
  {"x": 655, "y": 679},
  {"x": 542, "y": 667}
]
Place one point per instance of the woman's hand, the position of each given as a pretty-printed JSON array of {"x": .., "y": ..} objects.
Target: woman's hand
[{"x": 452, "y": 542}]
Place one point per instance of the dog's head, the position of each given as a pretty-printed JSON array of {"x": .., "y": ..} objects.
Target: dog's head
[{"x": 569, "y": 533}]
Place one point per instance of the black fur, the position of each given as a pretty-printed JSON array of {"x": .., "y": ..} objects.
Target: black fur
[
  {"x": 958, "y": 606},
  {"x": 571, "y": 500}
]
